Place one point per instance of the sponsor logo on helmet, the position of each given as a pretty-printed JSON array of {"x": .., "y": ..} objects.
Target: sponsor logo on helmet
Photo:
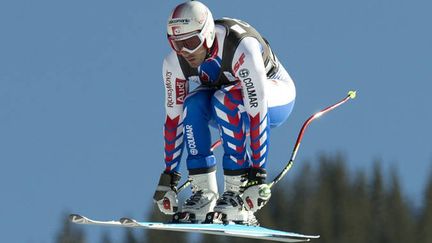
[
  {"x": 181, "y": 90},
  {"x": 169, "y": 89},
  {"x": 179, "y": 21}
]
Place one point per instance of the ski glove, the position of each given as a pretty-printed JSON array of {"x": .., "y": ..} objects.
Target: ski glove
[
  {"x": 257, "y": 193},
  {"x": 166, "y": 193}
]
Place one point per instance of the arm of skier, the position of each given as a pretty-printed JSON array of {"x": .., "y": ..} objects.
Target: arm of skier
[
  {"x": 248, "y": 67},
  {"x": 175, "y": 92}
]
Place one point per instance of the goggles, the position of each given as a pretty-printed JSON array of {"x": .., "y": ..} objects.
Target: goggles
[{"x": 189, "y": 42}]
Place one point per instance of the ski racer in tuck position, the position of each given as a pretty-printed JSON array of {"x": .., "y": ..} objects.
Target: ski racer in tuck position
[{"x": 242, "y": 89}]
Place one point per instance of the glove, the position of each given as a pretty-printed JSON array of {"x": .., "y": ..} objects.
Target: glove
[
  {"x": 165, "y": 195},
  {"x": 257, "y": 193}
]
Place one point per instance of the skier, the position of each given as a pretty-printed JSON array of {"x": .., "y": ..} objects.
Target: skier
[{"x": 243, "y": 90}]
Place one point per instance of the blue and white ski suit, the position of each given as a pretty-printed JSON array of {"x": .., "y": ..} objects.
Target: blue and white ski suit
[{"x": 255, "y": 101}]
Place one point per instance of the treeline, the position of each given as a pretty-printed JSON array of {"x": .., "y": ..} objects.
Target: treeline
[{"x": 324, "y": 198}]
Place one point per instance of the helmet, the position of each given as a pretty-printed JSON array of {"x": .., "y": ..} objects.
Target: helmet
[{"x": 190, "y": 25}]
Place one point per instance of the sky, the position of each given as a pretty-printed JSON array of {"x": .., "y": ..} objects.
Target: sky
[{"x": 81, "y": 99}]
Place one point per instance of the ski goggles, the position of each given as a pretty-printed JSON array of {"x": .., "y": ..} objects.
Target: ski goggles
[{"x": 189, "y": 42}]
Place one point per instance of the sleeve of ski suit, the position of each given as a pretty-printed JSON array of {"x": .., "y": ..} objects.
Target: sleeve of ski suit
[
  {"x": 176, "y": 89},
  {"x": 248, "y": 67}
]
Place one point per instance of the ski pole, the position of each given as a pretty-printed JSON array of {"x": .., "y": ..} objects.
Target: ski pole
[{"x": 351, "y": 95}]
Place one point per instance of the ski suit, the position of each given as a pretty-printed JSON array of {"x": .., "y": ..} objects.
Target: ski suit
[{"x": 242, "y": 89}]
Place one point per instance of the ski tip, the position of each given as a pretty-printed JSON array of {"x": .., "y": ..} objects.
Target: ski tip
[
  {"x": 352, "y": 94},
  {"x": 73, "y": 216},
  {"x": 76, "y": 218}
]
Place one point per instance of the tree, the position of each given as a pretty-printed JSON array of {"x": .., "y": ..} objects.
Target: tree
[
  {"x": 292, "y": 211},
  {"x": 106, "y": 237},
  {"x": 378, "y": 209},
  {"x": 399, "y": 220},
  {"x": 70, "y": 233},
  {"x": 359, "y": 212},
  {"x": 331, "y": 199},
  {"x": 130, "y": 237},
  {"x": 425, "y": 221}
]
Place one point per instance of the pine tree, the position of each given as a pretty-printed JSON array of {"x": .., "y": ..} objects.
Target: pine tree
[
  {"x": 331, "y": 199},
  {"x": 293, "y": 212},
  {"x": 359, "y": 210},
  {"x": 70, "y": 233},
  {"x": 378, "y": 210},
  {"x": 399, "y": 222},
  {"x": 130, "y": 237},
  {"x": 425, "y": 221},
  {"x": 105, "y": 238}
]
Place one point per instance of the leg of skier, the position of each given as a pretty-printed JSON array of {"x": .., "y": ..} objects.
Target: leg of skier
[
  {"x": 201, "y": 162},
  {"x": 232, "y": 121},
  {"x": 281, "y": 95},
  {"x": 242, "y": 183}
]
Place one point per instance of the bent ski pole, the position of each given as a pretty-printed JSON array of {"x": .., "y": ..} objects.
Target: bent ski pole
[{"x": 351, "y": 95}]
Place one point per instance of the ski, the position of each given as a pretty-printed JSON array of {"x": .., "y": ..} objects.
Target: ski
[{"x": 235, "y": 230}]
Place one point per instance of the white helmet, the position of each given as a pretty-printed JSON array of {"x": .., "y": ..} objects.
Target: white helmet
[{"x": 191, "y": 19}]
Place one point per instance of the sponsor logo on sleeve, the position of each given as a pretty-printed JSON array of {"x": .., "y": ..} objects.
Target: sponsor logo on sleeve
[
  {"x": 169, "y": 89},
  {"x": 191, "y": 140},
  {"x": 251, "y": 92},
  {"x": 181, "y": 91}
]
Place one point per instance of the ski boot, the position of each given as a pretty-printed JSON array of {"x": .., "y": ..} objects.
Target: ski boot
[
  {"x": 230, "y": 206},
  {"x": 202, "y": 200}
]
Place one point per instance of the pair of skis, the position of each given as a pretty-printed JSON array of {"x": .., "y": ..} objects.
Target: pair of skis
[
  {"x": 236, "y": 230},
  {"x": 231, "y": 229}
]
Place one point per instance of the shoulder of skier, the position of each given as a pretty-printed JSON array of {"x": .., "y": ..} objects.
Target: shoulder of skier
[
  {"x": 171, "y": 64},
  {"x": 175, "y": 85}
]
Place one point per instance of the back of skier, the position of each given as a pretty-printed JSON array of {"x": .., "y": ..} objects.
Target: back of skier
[{"x": 243, "y": 89}]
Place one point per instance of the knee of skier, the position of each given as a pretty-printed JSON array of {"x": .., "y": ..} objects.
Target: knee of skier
[{"x": 196, "y": 101}]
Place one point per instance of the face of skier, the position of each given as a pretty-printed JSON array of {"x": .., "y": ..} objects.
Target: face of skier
[{"x": 195, "y": 58}]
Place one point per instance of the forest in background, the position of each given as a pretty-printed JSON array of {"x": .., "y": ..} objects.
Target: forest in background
[{"x": 324, "y": 198}]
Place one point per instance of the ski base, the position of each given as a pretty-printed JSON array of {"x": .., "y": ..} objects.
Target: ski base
[{"x": 236, "y": 230}]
